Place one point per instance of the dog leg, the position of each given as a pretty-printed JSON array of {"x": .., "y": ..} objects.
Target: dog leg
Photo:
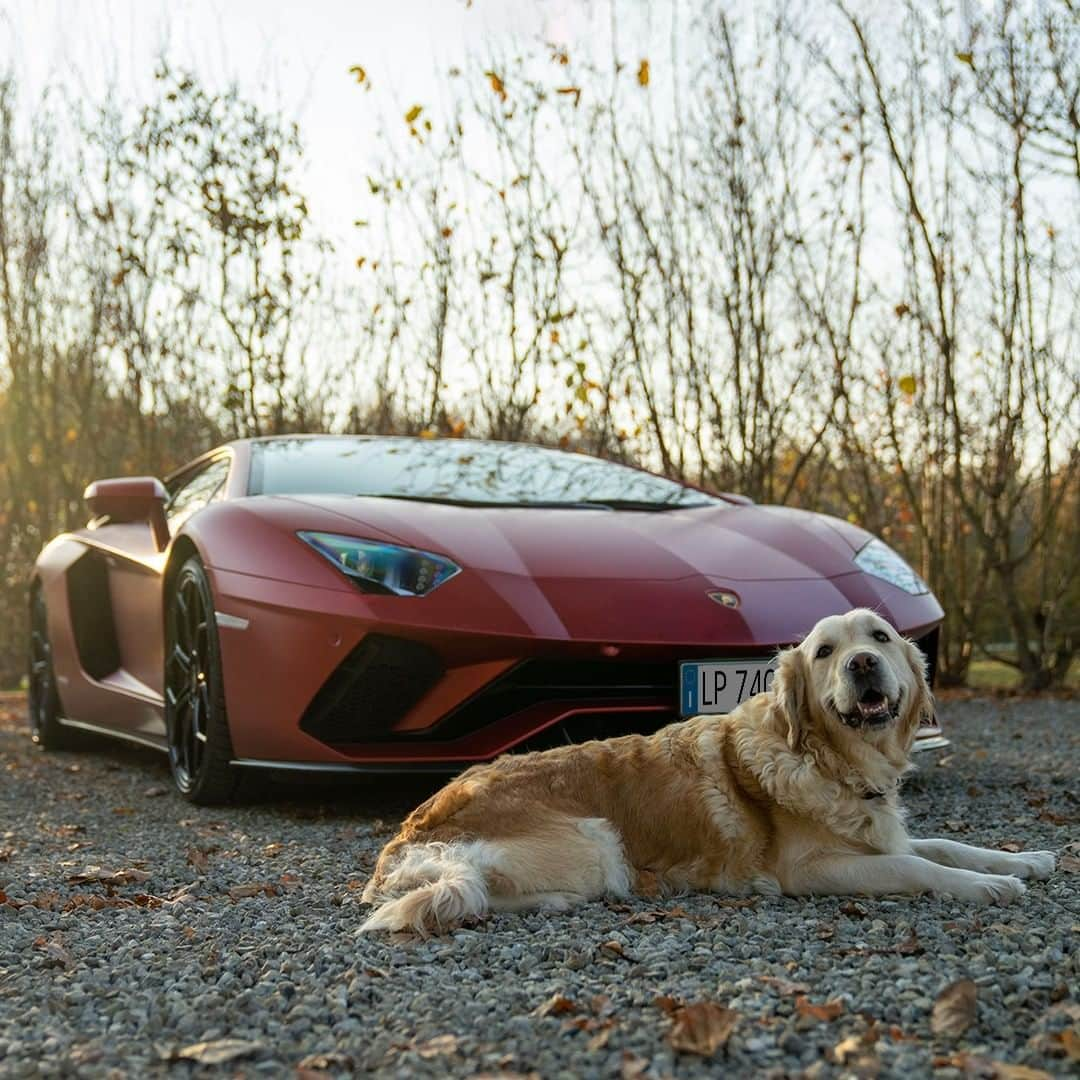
[
  {"x": 874, "y": 875},
  {"x": 1021, "y": 864}
]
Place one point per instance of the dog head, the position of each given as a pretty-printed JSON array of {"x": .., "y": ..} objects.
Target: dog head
[{"x": 854, "y": 676}]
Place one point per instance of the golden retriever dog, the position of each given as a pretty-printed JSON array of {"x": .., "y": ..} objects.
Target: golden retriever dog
[{"x": 795, "y": 793}]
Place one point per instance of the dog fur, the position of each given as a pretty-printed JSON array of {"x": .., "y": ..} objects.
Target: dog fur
[{"x": 794, "y": 792}]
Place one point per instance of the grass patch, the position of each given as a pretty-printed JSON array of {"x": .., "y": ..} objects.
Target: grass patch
[{"x": 994, "y": 675}]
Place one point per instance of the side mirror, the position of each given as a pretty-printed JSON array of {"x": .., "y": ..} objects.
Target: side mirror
[{"x": 131, "y": 498}]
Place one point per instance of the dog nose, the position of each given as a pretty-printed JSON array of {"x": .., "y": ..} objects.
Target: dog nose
[{"x": 862, "y": 662}]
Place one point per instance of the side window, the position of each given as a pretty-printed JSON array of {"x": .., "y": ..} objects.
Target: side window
[{"x": 196, "y": 491}]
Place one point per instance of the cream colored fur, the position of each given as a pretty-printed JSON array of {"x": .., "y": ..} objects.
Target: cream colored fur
[{"x": 780, "y": 796}]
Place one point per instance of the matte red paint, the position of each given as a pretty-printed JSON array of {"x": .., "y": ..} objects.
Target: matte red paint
[{"x": 586, "y": 584}]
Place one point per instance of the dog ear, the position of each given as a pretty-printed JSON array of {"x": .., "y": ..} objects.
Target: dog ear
[
  {"x": 922, "y": 703},
  {"x": 792, "y": 695}
]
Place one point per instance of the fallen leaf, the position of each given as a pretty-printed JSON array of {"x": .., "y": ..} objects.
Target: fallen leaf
[
  {"x": 668, "y": 1004},
  {"x": 218, "y": 1051},
  {"x": 599, "y": 1040},
  {"x": 199, "y": 858},
  {"x": 323, "y": 1062},
  {"x": 123, "y": 809},
  {"x": 413, "y": 114},
  {"x": 55, "y": 953},
  {"x": 95, "y": 874},
  {"x": 954, "y": 1010},
  {"x": 643, "y": 73},
  {"x": 853, "y": 909},
  {"x": 256, "y": 888},
  {"x": 556, "y": 1005},
  {"x": 1070, "y": 1041},
  {"x": 613, "y": 948},
  {"x": 846, "y": 1048},
  {"x": 910, "y": 946},
  {"x": 829, "y": 1011},
  {"x": 702, "y": 1028},
  {"x": 440, "y": 1044},
  {"x": 1069, "y": 863},
  {"x": 632, "y": 1067},
  {"x": 1011, "y": 846}
]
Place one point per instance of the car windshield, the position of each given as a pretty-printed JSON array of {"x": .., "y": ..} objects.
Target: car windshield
[{"x": 459, "y": 471}]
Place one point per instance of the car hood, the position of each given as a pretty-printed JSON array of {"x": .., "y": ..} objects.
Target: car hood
[{"x": 731, "y": 542}]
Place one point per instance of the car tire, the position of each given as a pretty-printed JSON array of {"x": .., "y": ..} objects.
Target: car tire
[
  {"x": 44, "y": 707},
  {"x": 200, "y": 749}
]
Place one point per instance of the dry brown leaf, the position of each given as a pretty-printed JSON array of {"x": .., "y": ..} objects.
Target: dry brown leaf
[
  {"x": 1069, "y": 863},
  {"x": 556, "y": 1005},
  {"x": 1011, "y": 846},
  {"x": 829, "y": 1011},
  {"x": 1070, "y": 1040},
  {"x": 274, "y": 849},
  {"x": 910, "y": 946},
  {"x": 632, "y": 1067},
  {"x": 599, "y": 1040},
  {"x": 954, "y": 1010},
  {"x": 613, "y": 948},
  {"x": 95, "y": 874},
  {"x": 1004, "y": 1071},
  {"x": 255, "y": 888},
  {"x": 55, "y": 953},
  {"x": 199, "y": 858},
  {"x": 437, "y": 1046},
  {"x": 986, "y": 1069},
  {"x": 702, "y": 1028},
  {"x": 218, "y": 1051},
  {"x": 667, "y": 1004},
  {"x": 853, "y": 909}
]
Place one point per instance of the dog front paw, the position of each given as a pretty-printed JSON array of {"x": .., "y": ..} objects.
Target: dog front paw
[
  {"x": 997, "y": 889},
  {"x": 1033, "y": 864}
]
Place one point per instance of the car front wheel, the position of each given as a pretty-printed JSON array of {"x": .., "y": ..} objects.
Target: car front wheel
[{"x": 200, "y": 749}]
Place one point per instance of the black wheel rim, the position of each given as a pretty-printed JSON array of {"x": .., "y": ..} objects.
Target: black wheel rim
[
  {"x": 188, "y": 700},
  {"x": 42, "y": 684}
]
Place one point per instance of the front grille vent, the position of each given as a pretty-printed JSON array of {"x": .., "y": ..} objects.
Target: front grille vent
[{"x": 372, "y": 688}]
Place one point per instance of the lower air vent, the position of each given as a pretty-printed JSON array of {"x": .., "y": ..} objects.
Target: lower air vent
[{"x": 373, "y": 688}]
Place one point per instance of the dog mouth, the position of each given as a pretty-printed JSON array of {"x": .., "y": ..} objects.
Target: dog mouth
[{"x": 872, "y": 710}]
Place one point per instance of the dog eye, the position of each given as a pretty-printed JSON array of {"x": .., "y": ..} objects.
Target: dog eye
[
  {"x": 880, "y": 635},
  {"x": 823, "y": 651}
]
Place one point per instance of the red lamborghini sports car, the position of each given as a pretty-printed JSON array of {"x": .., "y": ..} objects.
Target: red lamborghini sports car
[{"x": 352, "y": 604}]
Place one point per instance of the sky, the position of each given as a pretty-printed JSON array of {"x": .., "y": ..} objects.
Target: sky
[{"x": 285, "y": 54}]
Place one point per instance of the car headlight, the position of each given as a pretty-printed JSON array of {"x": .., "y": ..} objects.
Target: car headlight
[
  {"x": 383, "y": 568},
  {"x": 878, "y": 559}
]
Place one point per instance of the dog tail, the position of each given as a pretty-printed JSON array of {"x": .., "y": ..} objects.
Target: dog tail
[{"x": 433, "y": 887}]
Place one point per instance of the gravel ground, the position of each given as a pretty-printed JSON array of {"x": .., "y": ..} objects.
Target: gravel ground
[{"x": 240, "y": 924}]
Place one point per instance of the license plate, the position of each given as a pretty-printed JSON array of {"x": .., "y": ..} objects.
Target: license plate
[{"x": 718, "y": 686}]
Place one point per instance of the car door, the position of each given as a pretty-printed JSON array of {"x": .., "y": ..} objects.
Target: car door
[{"x": 134, "y": 577}]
